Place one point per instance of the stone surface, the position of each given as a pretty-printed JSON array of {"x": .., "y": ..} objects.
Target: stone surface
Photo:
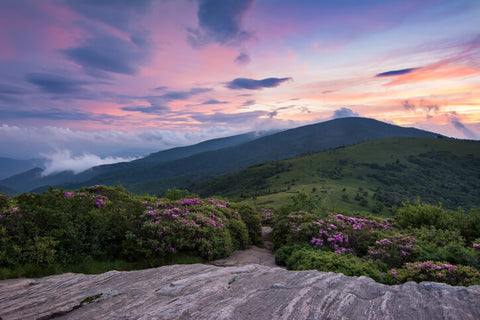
[
  {"x": 253, "y": 255},
  {"x": 242, "y": 292}
]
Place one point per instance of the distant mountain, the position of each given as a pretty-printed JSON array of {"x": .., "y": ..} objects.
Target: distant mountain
[
  {"x": 31, "y": 178},
  {"x": 209, "y": 145},
  {"x": 7, "y": 191},
  {"x": 180, "y": 167},
  {"x": 10, "y": 167}
]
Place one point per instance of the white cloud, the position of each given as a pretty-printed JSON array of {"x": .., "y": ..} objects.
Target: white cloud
[
  {"x": 65, "y": 161},
  {"x": 31, "y": 142}
]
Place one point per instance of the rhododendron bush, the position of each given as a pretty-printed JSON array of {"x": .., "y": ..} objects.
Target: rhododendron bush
[
  {"x": 380, "y": 248},
  {"x": 64, "y": 228}
]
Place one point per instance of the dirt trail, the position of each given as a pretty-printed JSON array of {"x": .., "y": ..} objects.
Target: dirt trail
[{"x": 253, "y": 255}]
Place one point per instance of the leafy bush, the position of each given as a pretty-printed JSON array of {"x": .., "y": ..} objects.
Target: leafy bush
[
  {"x": 178, "y": 194},
  {"x": 443, "y": 245},
  {"x": 303, "y": 258},
  {"x": 253, "y": 220},
  {"x": 438, "y": 272},
  {"x": 467, "y": 223},
  {"x": 59, "y": 230},
  {"x": 415, "y": 215}
]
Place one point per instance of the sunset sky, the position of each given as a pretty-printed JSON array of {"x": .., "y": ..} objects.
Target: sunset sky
[{"x": 123, "y": 78}]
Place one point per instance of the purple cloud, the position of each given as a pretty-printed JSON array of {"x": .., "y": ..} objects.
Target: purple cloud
[
  {"x": 455, "y": 121},
  {"x": 220, "y": 21},
  {"x": 213, "y": 101},
  {"x": 55, "y": 84},
  {"x": 153, "y": 109},
  {"x": 108, "y": 53},
  {"x": 408, "y": 106},
  {"x": 396, "y": 72},
  {"x": 252, "y": 84},
  {"x": 242, "y": 58},
  {"x": 344, "y": 113},
  {"x": 120, "y": 14}
]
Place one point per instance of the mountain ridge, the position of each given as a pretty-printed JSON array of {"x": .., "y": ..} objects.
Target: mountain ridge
[{"x": 241, "y": 153}]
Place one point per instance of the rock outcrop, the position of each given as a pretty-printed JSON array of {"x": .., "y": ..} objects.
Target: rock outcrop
[{"x": 243, "y": 292}]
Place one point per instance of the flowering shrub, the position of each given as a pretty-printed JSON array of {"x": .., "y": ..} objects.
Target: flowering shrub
[
  {"x": 331, "y": 242},
  {"x": 476, "y": 244},
  {"x": 267, "y": 216},
  {"x": 209, "y": 228},
  {"x": 99, "y": 223},
  {"x": 438, "y": 272},
  {"x": 338, "y": 233},
  {"x": 394, "y": 250}
]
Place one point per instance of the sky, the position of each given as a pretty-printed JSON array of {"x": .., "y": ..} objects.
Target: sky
[{"x": 111, "y": 80}]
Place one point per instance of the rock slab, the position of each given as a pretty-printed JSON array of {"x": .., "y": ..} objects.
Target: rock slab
[{"x": 243, "y": 292}]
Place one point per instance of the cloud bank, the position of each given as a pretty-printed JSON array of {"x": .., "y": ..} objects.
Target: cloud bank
[{"x": 65, "y": 161}]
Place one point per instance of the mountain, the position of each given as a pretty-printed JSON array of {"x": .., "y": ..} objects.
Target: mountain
[
  {"x": 31, "y": 177},
  {"x": 7, "y": 191},
  {"x": 371, "y": 176},
  {"x": 282, "y": 145},
  {"x": 182, "y": 166},
  {"x": 10, "y": 167},
  {"x": 209, "y": 145}
]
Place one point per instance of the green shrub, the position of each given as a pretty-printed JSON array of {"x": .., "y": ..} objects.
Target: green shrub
[
  {"x": 438, "y": 272},
  {"x": 175, "y": 194},
  {"x": 468, "y": 223},
  {"x": 253, "y": 221},
  {"x": 282, "y": 254},
  {"x": 443, "y": 245},
  {"x": 314, "y": 259},
  {"x": 416, "y": 215}
]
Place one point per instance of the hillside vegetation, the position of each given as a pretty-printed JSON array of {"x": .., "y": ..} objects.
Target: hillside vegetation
[{"x": 369, "y": 177}]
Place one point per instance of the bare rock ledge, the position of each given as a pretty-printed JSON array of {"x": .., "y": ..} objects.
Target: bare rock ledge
[{"x": 243, "y": 292}]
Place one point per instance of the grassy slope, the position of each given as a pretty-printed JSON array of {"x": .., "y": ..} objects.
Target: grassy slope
[{"x": 358, "y": 178}]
